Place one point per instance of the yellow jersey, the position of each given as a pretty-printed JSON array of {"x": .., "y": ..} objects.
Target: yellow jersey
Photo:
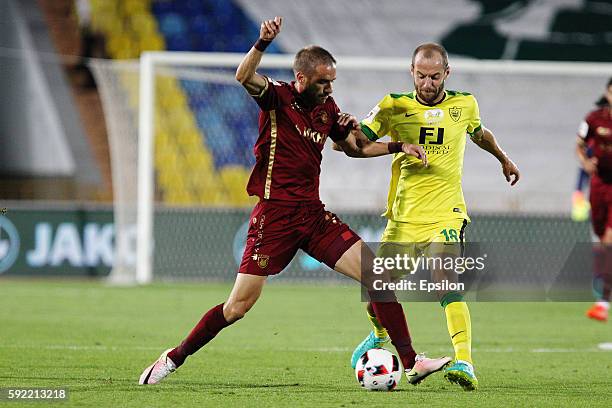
[{"x": 419, "y": 194}]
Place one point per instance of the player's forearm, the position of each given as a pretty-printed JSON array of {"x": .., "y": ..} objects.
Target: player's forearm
[
  {"x": 246, "y": 73},
  {"x": 357, "y": 145},
  {"x": 487, "y": 142},
  {"x": 581, "y": 152},
  {"x": 374, "y": 149}
]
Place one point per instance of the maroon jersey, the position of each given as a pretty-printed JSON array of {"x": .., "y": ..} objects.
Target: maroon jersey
[
  {"x": 291, "y": 138},
  {"x": 596, "y": 130}
]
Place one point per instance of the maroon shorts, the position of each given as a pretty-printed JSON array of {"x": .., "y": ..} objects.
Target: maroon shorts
[
  {"x": 601, "y": 205},
  {"x": 278, "y": 230}
]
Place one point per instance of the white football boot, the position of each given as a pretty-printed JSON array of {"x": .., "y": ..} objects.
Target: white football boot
[
  {"x": 158, "y": 370},
  {"x": 423, "y": 367}
]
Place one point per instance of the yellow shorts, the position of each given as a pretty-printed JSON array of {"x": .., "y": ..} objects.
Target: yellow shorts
[
  {"x": 409, "y": 241},
  {"x": 443, "y": 231},
  {"x": 429, "y": 240}
]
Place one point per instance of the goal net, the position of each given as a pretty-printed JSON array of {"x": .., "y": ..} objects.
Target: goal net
[{"x": 182, "y": 132}]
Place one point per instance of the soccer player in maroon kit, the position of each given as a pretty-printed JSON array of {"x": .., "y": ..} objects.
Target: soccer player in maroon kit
[
  {"x": 595, "y": 133},
  {"x": 295, "y": 120}
]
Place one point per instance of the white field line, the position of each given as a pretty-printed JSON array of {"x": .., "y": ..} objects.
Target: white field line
[
  {"x": 600, "y": 347},
  {"x": 605, "y": 346}
]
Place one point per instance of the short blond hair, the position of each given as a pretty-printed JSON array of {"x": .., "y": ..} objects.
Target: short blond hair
[
  {"x": 428, "y": 50},
  {"x": 307, "y": 59}
]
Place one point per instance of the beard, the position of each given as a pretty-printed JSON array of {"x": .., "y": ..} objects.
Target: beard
[
  {"x": 429, "y": 95},
  {"x": 312, "y": 96}
]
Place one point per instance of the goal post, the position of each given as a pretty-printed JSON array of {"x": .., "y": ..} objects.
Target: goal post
[
  {"x": 183, "y": 130},
  {"x": 148, "y": 62},
  {"x": 144, "y": 246}
]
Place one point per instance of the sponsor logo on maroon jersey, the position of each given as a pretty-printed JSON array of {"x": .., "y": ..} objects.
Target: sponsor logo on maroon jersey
[
  {"x": 313, "y": 135},
  {"x": 603, "y": 131}
]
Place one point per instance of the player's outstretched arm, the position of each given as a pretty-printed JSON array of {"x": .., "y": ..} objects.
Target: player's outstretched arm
[
  {"x": 246, "y": 73},
  {"x": 358, "y": 145},
  {"x": 485, "y": 139}
]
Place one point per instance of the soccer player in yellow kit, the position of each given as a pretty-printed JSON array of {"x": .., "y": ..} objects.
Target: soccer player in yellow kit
[{"x": 425, "y": 202}]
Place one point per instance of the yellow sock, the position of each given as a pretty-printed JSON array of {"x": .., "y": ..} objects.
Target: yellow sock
[
  {"x": 379, "y": 330},
  {"x": 460, "y": 329}
]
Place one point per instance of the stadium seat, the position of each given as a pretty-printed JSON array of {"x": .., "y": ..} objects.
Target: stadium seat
[
  {"x": 235, "y": 179},
  {"x": 134, "y": 6},
  {"x": 178, "y": 43},
  {"x": 193, "y": 133},
  {"x": 152, "y": 42},
  {"x": 192, "y": 7},
  {"x": 146, "y": 24},
  {"x": 172, "y": 25},
  {"x": 201, "y": 25}
]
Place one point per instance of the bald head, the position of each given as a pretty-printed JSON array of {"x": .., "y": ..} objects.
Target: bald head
[{"x": 431, "y": 51}]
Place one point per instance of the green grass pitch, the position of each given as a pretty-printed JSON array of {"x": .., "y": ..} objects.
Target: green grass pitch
[{"x": 292, "y": 349}]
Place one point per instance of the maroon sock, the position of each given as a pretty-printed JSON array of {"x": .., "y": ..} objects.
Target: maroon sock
[
  {"x": 606, "y": 274},
  {"x": 391, "y": 316},
  {"x": 203, "y": 332},
  {"x": 599, "y": 262}
]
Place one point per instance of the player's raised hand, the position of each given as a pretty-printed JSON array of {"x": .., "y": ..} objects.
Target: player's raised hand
[
  {"x": 416, "y": 151},
  {"x": 270, "y": 28},
  {"x": 511, "y": 172}
]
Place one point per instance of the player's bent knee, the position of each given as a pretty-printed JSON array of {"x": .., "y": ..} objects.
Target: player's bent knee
[
  {"x": 236, "y": 310},
  {"x": 349, "y": 263}
]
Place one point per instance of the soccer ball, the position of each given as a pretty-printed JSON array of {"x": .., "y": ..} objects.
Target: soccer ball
[{"x": 378, "y": 370}]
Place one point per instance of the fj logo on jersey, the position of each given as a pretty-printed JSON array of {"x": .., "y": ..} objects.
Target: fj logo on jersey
[
  {"x": 262, "y": 260},
  {"x": 433, "y": 116},
  {"x": 455, "y": 113}
]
